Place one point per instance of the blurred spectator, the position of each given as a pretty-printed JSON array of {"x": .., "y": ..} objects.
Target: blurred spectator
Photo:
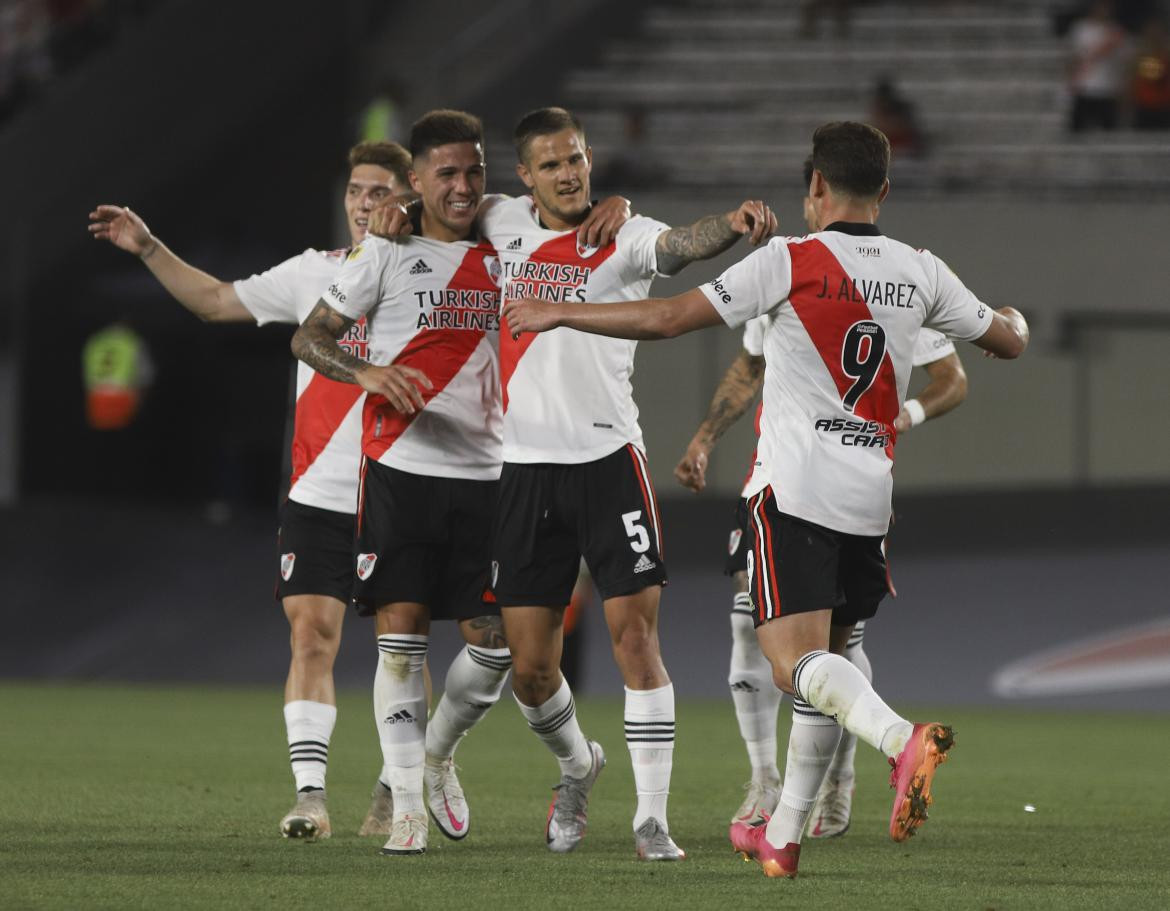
[
  {"x": 635, "y": 165},
  {"x": 812, "y": 10},
  {"x": 116, "y": 369},
  {"x": 894, "y": 115},
  {"x": 1150, "y": 82},
  {"x": 1096, "y": 69}
]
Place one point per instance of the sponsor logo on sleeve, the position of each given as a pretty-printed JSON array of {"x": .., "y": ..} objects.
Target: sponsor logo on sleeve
[
  {"x": 336, "y": 293},
  {"x": 365, "y": 565},
  {"x": 721, "y": 290},
  {"x": 354, "y": 253},
  {"x": 286, "y": 565}
]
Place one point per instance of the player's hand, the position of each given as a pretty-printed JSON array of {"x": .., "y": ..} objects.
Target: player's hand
[
  {"x": 691, "y": 470},
  {"x": 122, "y": 228},
  {"x": 391, "y": 219},
  {"x": 603, "y": 222},
  {"x": 398, "y": 384},
  {"x": 902, "y": 422},
  {"x": 754, "y": 219},
  {"x": 529, "y": 315}
]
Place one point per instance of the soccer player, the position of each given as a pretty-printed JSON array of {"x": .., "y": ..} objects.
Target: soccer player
[
  {"x": 755, "y": 697},
  {"x": 847, "y": 304},
  {"x": 315, "y": 579},
  {"x": 575, "y": 480},
  {"x": 432, "y": 456}
]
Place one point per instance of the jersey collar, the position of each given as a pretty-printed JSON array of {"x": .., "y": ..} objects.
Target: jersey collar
[{"x": 856, "y": 228}]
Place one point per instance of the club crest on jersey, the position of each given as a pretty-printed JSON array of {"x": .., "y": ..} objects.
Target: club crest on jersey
[
  {"x": 586, "y": 250},
  {"x": 365, "y": 565},
  {"x": 286, "y": 565},
  {"x": 494, "y": 270},
  {"x": 733, "y": 541}
]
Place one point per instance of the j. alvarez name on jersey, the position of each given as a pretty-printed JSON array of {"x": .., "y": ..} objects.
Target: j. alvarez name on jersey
[
  {"x": 868, "y": 291},
  {"x": 869, "y": 434},
  {"x": 458, "y": 308}
]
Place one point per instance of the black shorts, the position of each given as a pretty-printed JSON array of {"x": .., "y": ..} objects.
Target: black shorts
[
  {"x": 316, "y": 552},
  {"x": 797, "y": 566},
  {"x": 551, "y": 515},
  {"x": 740, "y": 541},
  {"x": 424, "y": 540}
]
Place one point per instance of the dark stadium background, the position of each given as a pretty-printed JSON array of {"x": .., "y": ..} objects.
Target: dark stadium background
[{"x": 1031, "y": 518}]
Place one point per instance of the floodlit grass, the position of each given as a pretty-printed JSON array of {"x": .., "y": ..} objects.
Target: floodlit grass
[{"x": 152, "y": 797}]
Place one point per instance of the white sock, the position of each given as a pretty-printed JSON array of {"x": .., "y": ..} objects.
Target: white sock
[
  {"x": 474, "y": 683},
  {"x": 400, "y": 710},
  {"x": 555, "y": 723},
  {"x": 837, "y": 689},
  {"x": 810, "y": 750},
  {"x": 309, "y": 726},
  {"x": 841, "y": 769},
  {"x": 650, "y": 738},
  {"x": 755, "y": 695}
]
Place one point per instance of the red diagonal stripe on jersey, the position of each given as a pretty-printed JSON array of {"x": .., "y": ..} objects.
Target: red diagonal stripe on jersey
[
  {"x": 439, "y": 353},
  {"x": 320, "y": 410},
  {"x": 826, "y": 320},
  {"x": 562, "y": 250}
]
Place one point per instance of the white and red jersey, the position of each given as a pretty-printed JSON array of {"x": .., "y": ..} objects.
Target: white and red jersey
[
  {"x": 567, "y": 395},
  {"x": 931, "y": 346},
  {"x": 847, "y": 305},
  {"x": 326, "y": 444},
  {"x": 434, "y": 306}
]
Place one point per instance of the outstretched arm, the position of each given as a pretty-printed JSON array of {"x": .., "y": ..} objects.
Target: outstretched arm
[
  {"x": 204, "y": 295},
  {"x": 713, "y": 234},
  {"x": 734, "y": 395},
  {"x": 1007, "y": 336},
  {"x": 946, "y": 391},
  {"x": 315, "y": 343},
  {"x": 658, "y": 317}
]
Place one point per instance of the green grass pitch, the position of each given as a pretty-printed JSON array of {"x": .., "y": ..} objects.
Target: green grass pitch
[{"x": 169, "y": 797}]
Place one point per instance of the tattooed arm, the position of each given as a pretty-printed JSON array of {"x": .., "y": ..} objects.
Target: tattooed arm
[
  {"x": 734, "y": 395},
  {"x": 315, "y": 343},
  {"x": 713, "y": 234}
]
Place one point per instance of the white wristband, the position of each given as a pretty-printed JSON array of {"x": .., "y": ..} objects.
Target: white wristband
[{"x": 916, "y": 411}]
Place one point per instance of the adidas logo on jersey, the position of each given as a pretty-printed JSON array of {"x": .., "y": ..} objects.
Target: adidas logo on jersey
[
  {"x": 365, "y": 565},
  {"x": 516, "y": 244},
  {"x": 644, "y": 564},
  {"x": 402, "y": 716},
  {"x": 287, "y": 561},
  {"x": 420, "y": 268}
]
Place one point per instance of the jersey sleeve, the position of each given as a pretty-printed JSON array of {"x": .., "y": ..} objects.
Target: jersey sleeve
[
  {"x": 755, "y": 285},
  {"x": 955, "y": 311},
  {"x": 636, "y": 241},
  {"x": 931, "y": 346},
  {"x": 271, "y": 296},
  {"x": 753, "y": 336},
  {"x": 358, "y": 286}
]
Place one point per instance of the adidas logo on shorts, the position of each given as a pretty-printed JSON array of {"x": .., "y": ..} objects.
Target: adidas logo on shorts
[
  {"x": 516, "y": 244},
  {"x": 420, "y": 268},
  {"x": 644, "y": 564}
]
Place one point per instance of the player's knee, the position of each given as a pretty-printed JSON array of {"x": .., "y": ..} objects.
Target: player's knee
[
  {"x": 636, "y": 644},
  {"x": 313, "y": 641}
]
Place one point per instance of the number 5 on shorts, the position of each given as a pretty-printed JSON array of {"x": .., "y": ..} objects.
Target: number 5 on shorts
[{"x": 639, "y": 540}]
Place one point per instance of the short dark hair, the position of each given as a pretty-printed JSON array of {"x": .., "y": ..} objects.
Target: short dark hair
[
  {"x": 853, "y": 157},
  {"x": 385, "y": 154},
  {"x": 442, "y": 127},
  {"x": 543, "y": 122},
  {"x": 808, "y": 169}
]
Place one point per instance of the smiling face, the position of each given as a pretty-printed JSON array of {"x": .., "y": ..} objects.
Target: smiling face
[
  {"x": 368, "y": 186},
  {"x": 556, "y": 168},
  {"x": 450, "y": 180}
]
